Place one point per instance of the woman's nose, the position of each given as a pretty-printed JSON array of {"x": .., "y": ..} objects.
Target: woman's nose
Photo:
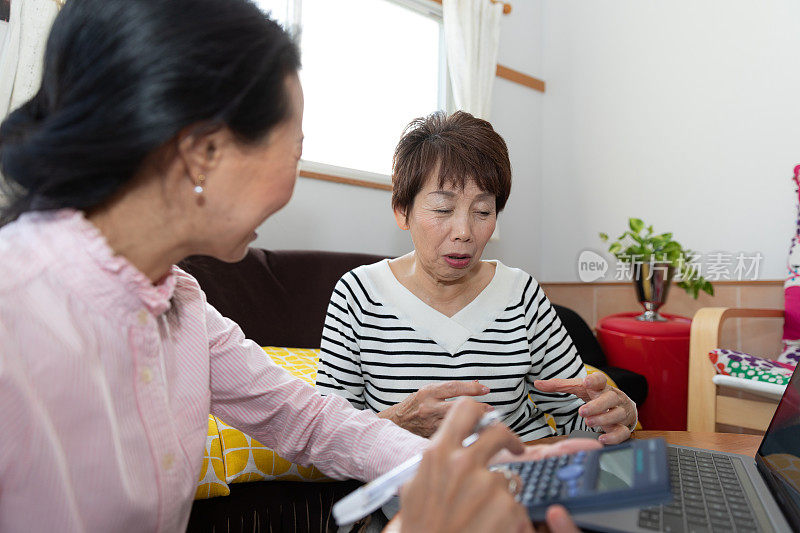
[{"x": 461, "y": 229}]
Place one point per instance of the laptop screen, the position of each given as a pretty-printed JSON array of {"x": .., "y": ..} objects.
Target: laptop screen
[{"x": 778, "y": 457}]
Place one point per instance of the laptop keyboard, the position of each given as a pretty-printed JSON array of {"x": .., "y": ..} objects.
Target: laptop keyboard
[{"x": 707, "y": 496}]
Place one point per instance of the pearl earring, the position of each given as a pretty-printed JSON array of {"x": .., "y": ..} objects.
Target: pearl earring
[{"x": 198, "y": 189}]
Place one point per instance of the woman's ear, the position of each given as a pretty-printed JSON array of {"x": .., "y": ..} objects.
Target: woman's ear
[
  {"x": 401, "y": 218},
  {"x": 201, "y": 151}
]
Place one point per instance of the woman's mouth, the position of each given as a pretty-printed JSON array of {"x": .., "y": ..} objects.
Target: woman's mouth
[{"x": 457, "y": 260}]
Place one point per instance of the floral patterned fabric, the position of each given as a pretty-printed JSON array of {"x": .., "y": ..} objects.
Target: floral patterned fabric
[{"x": 742, "y": 365}]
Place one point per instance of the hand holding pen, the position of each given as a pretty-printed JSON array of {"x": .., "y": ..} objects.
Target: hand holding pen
[
  {"x": 450, "y": 488},
  {"x": 454, "y": 490},
  {"x": 377, "y": 492}
]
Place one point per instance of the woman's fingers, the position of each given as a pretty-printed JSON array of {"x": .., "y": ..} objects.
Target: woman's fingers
[
  {"x": 535, "y": 452},
  {"x": 615, "y": 434},
  {"x": 493, "y": 439},
  {"x": 423, "y": 411},
  {"x": 500, "y": 513},
  {"x": 461, "y": 420},
  {"x": 569, "y": 446},
  {"x": 610, "y": 408},
  {"x": 595, "y": 381},
  {"x": 453, "y": 389},
  {"x": 617, "y": 415},
  {"x": 568, "y": 386},
  {"x": 601, "y": 404},
  {"x": 559, "y": 521},
  {"x": 584, "y": 388},
  {"x": 453, "y": 490}
]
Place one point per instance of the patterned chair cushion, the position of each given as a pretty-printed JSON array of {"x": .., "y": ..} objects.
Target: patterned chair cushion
[{"x": 743, "y": 365}]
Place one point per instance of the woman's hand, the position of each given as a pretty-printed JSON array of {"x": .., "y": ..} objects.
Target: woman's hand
[
  {"x": 537, "y": 452},
  {"x": 423, "y": 411},
  {"x": 453, "y": 490},
  {"x": 606, "y": 406}
]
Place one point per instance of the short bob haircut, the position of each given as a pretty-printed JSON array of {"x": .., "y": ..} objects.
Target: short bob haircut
[{"x": 458, "y": 148}]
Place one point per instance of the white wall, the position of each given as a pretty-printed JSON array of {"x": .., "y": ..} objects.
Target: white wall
[
  {"x": 684, "y": 113},
  {"x": 331, "y": 216}
]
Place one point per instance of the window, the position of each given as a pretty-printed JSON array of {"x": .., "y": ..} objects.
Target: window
[{"x": 369, "y": 68}]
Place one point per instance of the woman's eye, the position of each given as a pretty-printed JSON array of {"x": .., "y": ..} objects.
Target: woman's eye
[
  {"x": 443, "y": 211},
  {"x": 484, "y": 213}
]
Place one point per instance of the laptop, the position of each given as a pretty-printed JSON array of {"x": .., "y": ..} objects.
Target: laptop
[{"x": 726, "y": 492}]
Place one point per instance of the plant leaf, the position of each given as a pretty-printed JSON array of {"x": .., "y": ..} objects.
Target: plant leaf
[
  {"x": 708, "y": 287},
  {"x": 636, "y": 224},
  {"x": 603, "y": 237}
]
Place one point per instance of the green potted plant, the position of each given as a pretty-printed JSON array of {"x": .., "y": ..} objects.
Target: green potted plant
[{"x": 655, "y": 258}]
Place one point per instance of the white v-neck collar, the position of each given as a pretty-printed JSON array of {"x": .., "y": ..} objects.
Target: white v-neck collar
[{"x": 448, "y": 332}]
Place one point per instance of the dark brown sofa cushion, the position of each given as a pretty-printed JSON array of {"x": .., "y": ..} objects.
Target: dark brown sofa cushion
[{"x": 278, "y": 298}]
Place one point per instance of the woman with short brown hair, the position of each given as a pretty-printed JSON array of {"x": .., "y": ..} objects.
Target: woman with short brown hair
[{"x": 403, "y": 336}]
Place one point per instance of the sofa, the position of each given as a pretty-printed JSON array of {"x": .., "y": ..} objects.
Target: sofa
[{"x": 279, "y": 299}]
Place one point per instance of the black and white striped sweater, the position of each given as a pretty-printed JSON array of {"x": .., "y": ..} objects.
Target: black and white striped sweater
[{"x": 381, "y": 343}]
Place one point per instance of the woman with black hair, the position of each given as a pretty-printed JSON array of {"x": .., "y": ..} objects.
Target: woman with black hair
[{"x": 162, "y": 130}]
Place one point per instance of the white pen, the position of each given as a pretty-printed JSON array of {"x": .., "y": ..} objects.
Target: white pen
[{"x": 374, "y": 494}]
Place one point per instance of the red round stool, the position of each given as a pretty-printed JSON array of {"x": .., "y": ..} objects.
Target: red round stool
[{"x": 660, "y": 352}]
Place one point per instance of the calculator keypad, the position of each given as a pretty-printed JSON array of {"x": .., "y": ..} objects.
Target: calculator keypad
[{"x": 549, "y": 479}]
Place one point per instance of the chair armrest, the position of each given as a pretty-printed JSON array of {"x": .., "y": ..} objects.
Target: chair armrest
[{"x": 704, "y": 337}]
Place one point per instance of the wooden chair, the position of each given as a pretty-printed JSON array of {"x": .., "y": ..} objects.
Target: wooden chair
[{"x": 707, "y": 407}]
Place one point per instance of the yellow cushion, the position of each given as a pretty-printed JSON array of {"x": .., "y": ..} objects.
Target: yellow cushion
[
  {"x": 246, "y": 459},
  {"x": 300, "y": 362},
  {"x": 212, "y": 474}
]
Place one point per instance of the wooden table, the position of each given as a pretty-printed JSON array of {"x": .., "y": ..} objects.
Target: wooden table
[{"x": 721, "y": 442}]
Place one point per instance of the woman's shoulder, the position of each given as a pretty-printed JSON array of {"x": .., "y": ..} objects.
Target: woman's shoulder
[
  {"x": 522, "y": 279},
  {"x": 370, "y": 270},
  {"x": 29, "y": 247},
  {"x": 186, "y": 286},
  {"x": 365, "y": 278}
]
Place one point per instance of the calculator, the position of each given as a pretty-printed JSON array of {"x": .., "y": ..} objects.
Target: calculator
[{"x": 631, "y": 474}]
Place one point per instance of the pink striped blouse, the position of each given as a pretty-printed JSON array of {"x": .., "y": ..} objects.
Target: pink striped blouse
[{"x": 106, "y": 382}]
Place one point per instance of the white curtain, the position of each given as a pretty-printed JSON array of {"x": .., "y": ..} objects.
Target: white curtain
[
  {"x": 22, "y": 51},
  {"x": 472, "y": 39}
]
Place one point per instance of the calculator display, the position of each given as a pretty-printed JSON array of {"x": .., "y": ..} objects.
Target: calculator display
[{"x": 616, "y": 470}]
